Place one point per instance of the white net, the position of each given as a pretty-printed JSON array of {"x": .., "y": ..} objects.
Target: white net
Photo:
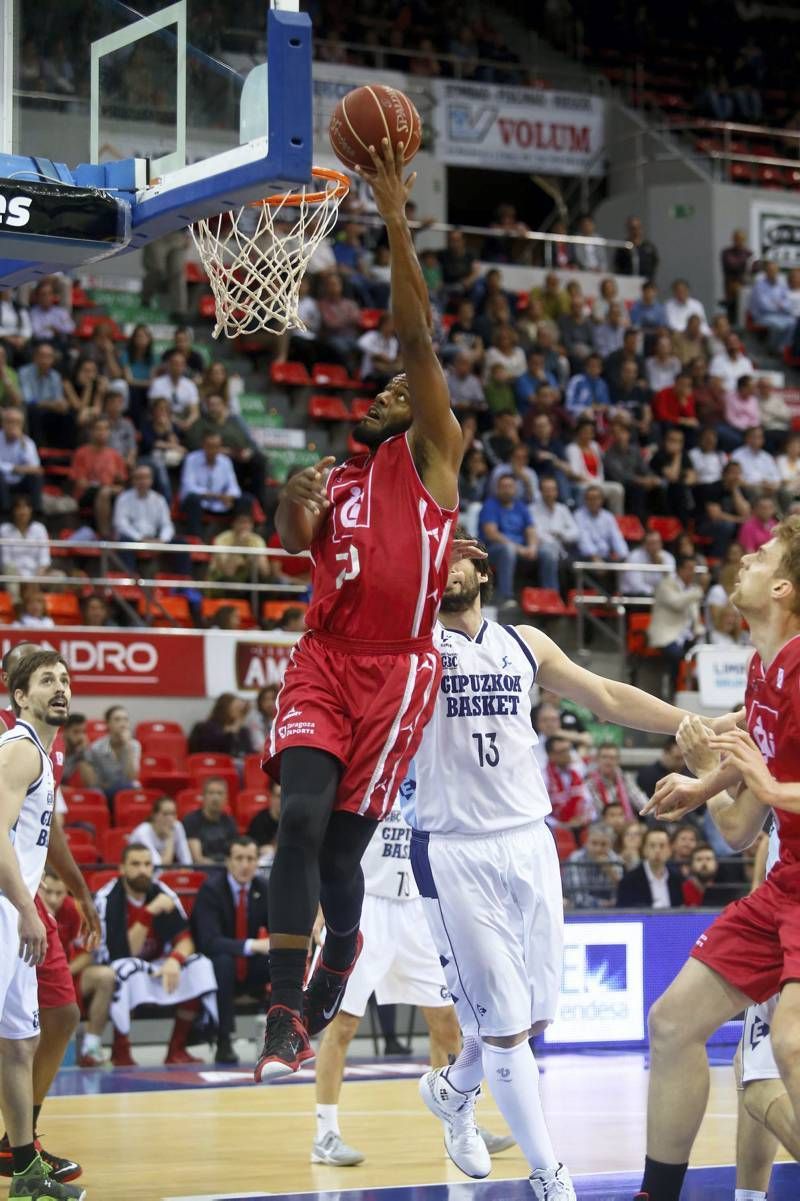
[{"x": 256, "y": 256}]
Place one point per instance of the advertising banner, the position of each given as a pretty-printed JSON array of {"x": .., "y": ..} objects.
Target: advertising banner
[
  {"x": 722, "y": 675},
  {"x": 775, "y": 231},
  {"x": 519, "y": 129},
  {"x": 602, "y": 985}
]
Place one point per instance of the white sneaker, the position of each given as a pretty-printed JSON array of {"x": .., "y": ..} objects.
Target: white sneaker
[
  {"x": 333, "y": 1150},
  {"x": 552, "y": 1184},
  {"x": 456, "y": 1112},
  {"x": 495, "y": 1143}
]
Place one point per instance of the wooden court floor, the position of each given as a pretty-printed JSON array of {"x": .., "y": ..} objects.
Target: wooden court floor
[{"x": 144, "y": 1146}]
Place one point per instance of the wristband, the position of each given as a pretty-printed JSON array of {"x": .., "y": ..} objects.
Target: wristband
[{"x": 179, "y": 958}]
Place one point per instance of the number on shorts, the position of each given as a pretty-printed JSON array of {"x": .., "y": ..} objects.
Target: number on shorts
[
  {"x": 403, "y": 886},
  {"x": 488, "y": 754},
  {"x": 352, "y": 566}
]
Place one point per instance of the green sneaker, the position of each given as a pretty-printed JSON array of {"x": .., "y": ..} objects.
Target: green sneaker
[{"x": 36, "y": 1183}]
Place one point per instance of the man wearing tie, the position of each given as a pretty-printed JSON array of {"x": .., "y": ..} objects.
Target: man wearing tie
[{"x": 230, "y": 925}]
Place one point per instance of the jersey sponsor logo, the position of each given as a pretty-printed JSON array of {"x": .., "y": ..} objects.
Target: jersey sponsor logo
[
  {"x": 35, "y": 1019},
  {"x": 481, "y": 1010},
  {"x": 350, "y": 503},
  {"x": 762, "y": 728},
  {"x": 702, "y": 940},
  {"x": 292, "y": 729},
  {"x": 450, "y": 662},
  {"x": 488, "y": 694},
  {"x": 444, "y": 993}
]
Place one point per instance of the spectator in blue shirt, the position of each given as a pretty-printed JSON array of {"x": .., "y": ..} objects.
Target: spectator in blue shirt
[
  {"x": 649, "y": 314},
  {"x": 599, "y": 535},
  {"x": 528, "y": 384},
  {"x": 770, "y": 305},
  {"x": 49, "y": 418},
  {"x": 208, "y": 483},
  {"x": 587, "y": 393},
  {"x": 507, "y": 529}
]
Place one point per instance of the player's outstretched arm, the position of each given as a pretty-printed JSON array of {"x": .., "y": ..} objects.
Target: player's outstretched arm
[
  {"x": 738, "y": 817},
  {"x": 20, "y": 765},
  {"x": 433, "y": 419}
]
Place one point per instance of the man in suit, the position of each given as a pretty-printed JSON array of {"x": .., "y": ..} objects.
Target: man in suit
[
  {"x": 676, "y": 622},
  {"x": 231, "y": 924},
  {"x": 653, "y": 884}
]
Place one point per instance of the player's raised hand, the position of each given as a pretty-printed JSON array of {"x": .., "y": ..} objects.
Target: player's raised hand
[
  {"x": 674, "y": 797},
  {"x": 307, "y": 487},
  {"x": 693, "y": 742},
  {"x": 32, "y": 936},
  {"x": 466, "y": 548},
  {"x": 390, "y": 189},
  {"x": 739, "y": 749}
]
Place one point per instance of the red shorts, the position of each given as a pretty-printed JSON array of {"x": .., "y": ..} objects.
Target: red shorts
[
  {"x": 366, "y": 709},
  {"x": 755, "y": 943},
  {"x": 54, "y": 979}
]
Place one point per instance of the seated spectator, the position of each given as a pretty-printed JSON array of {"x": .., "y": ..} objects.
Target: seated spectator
[
  {"x": 506, "y": 527},
  {"x": 237, "y": 567},
  {"x": 681, "y": 306},
  {"x": 15, "y": 327},
  {"x": 78, "y": 771},
  {"x": 96, "y": 612},
  {"x": 610, "y": 787},
  {"x": 464, "y": 386},
  {"x": 710, "y": 401},
  {"x": 209, "y": 829},
  {"x": 707, "y": 461},
  {"x": 633, "y": 398},
  {"x": 518, "y": 467},
  {"x": 161, "y": 446},
  {"x": 340, "y": 322},
  {"x": 31, "y": 609},
  {"x": 502, "y": 438},
  {"x": 116, "y": 757},
  {"x": 217, "y": 381},
  {"x": 650, "y": 553},
  {"x": 230, "y": 920},
  {"x": 607, "y": 294},
  {"x": 532, "y": 379},
  {"x": 676, "y": 623},
  {"x": 293, "y": 620},
  {"x": 726, "y": 509},
  {"x": 380, "y": 351},
  {"x": 464, "y": 334},
  {"x": 163, "y": 835},
  {"x": 552, "y": 297},
  {"x": 735, "y": 260},
  {"x": 692, "y": 343},
  {"x": 20, "y": 469},
  {"x": 741, "y": 411},
  {"x": 50, "y": 321},
  {"x": 682, "y": 846},
  {"x": 789, "y": 471},
  {"x": 565, "y": 784},
  {"x": 731, "y": 364},
  {"x": 670, "y": 760},
  {"x": 776, "y": 415},
  {"x": 146, "y": 941},
  {"x": 770, "y": 306},
  {"x": 85, "y": 390},
  {"x": 576, "y": 333},
  {"x": 654, "y": 884},
  {"x": 261, "y": 716},
  {"x": 138, "y": 364},
  {"x": 10, "y": 394},
  {"x": 760, "y": 472},
  {"x": 701, "y": 888},
  {"x": 589, "y": 256},
  {"x": 720, "y": 332},
  {"x": 586, "y": 463},
  {"x": 663, "y": 367},
  {"x": 591, "y": 875},
  {"x": 648, "y": 314},
  {"x": 249, "y": 463},
  {"x": 49, "y": 418},
  {"x": 609, "y": 335},
  {"x": 123, "y": 437},
  {"x": 140, "y": 514},
  {"x": 599, "y": 537},
  {"x": 460, "y": 269},
  {"x": 641, "y": 258},
  {"x": 614, "y": 818},
  {"x": 759, "y": 527},
  {"x": 726, "y": 628},
  {"x": 33, "y": 558},
  {"x": 627, "y": 352},
  {"x": 182, "y": 343},
  {"x": 624, "y": 463},
  {"x": 549, "y": 456},
  {"x": 674, "y": 468},
  {"x": 102, "y": 350},
  {"x": 630, "y": 849},
  {"x": 503, "y": 365},
  {"x": 98, "y": 475},
  {"x": 223, "y": 732},
  {"x": 507, "y": 248},
  {"x": 179, "y": 389},
  {"x": 208, "y": 483},
  {"x": 587, "y": 391},
  {"x": 473, "y": 481},
  {"x": 556, "y": 530}
]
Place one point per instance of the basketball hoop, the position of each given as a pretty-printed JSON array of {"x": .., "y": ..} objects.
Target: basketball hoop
[{"x": 256, "y": 256}]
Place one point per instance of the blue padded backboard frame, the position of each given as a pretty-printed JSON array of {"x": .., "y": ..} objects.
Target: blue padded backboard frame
[{"x": 283, "y": 157}]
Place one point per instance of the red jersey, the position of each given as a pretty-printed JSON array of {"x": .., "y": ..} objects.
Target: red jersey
[
  {"x": 381, "y": 557},
  {"x": 68, "y": 920},
  {"x": 772, "y": 703},
  {"x": 56, "y": 750}
]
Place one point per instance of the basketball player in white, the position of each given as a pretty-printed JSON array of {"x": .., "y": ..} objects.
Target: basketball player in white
[
  {"x": 400, "y": 965},
  {"x": 486, "y": 864},
  {"x": 40, "y": 694}
]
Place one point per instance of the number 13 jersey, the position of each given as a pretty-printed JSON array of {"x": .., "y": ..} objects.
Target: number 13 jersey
[{"x": 475, "y": 769}]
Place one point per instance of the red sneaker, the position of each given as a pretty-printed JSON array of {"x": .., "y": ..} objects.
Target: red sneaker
[
  {"x": 180, "y": 1055},
  {"x": 324, "y": 993},
  {"x": 121, "y": 1055},
  {"x": 286, "y": 1045}
]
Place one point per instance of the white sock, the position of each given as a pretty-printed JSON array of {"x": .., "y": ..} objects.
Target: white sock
[
  {"x": 513, "y": 1078},
  {"x": 327, "y": 1120},
  {"x": 749, "y": 1194},
  {"x": 467, "y": 1071},
  {"x": 92, "y": 1042}
]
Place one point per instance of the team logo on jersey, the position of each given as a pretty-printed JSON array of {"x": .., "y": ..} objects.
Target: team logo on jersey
[
  {"x": 350, "y": 507},
  {"x": 762, "y": 730},
  {"x": 759, "y": 1030},
  {"x": 506, "y": 663},
  {"x": 292, "y": 713}
]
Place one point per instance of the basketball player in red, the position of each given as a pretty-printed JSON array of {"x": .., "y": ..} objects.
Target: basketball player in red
[
  {"x": 362, "y": 683},
  {"x": 58, "y": 1012},
  {"x": 752, "y": 950}
]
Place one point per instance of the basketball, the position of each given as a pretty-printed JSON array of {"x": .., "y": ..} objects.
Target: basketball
[{"x": 366, "y": 115}]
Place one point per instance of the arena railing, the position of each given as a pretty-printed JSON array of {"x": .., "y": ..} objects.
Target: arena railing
[{"x": 108, "y": 555}]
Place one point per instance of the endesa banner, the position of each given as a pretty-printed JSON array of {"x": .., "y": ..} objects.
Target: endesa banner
[
  {"x": 519, "y": 129},
  {"x": 182, "y": 663}
]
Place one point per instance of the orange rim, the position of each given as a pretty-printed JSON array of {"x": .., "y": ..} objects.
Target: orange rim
[{"x": 339, "y": 192}]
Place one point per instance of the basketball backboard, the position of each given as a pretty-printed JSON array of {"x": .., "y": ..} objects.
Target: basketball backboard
[{"x": 179, "y": 110}]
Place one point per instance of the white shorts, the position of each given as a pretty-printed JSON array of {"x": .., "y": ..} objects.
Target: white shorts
[
  {"x": 758, "y": 1062},
  {"x": 399, "y": 962},
  {"x": 495, "y": 909},
  {"x": 19, "y": 994}
]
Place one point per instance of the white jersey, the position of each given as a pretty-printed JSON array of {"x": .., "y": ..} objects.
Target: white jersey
[
  {"x": 475, "y": 771},
  {"x": 30, "y": 835},
  {"x": 386, "y": 864}
]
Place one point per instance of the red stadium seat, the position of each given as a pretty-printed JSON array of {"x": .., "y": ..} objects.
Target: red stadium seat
[
  {"x": 96, "y": 816},
  {"x": 98, "y": 880},
  {"x": 6, "y": 609},
  {"x": 76, "y": 836},
  {"x": 187, "y": 800},
  {"x": 84, "y": 853},
  {"x": 112, "y": 845},
  {"x": 168, "y": 746},
  {"x": 84, "y": 796},
  {"x": 185, "y": 883},
  {"x": 64, "y": 608},
  {"x": 545, "y": 602},
  {"x": 293, "y": 375},
  {"x": 668, "y": 527},
  {"x": 637, "y": 644},
  {"x": 249, "y": 801},
  {"x": 359, "y": 407},
  {"x": 159, "y": 771},
  {"x": 229, "y": 774},
  {"x": 565, "y": 841},
  {"x": 273, "y": 610},
  {"x": 157, "y": 727},
  {"x": 208, "y": 759},
  {"x": 210, "y": 605},
  {"x": 139, "y": 798},
  {"x": 370, "y": 318},
  {"x": 327, "y": 408},
  {"x": 332, "y": 375},
  {"x": 96, "y": 728},
  {"x": 630, "y": 527},
  {"x": 254, "y": 777},
  {"x": 172, "y": 611}
]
